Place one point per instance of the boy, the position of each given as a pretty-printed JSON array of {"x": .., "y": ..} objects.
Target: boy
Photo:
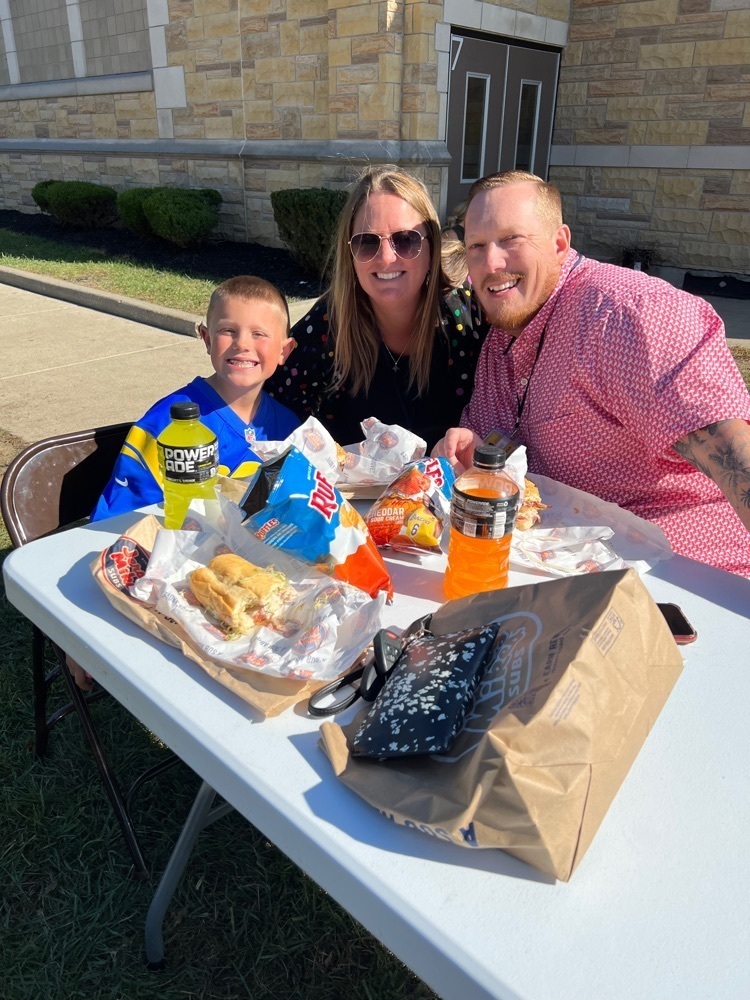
[{"x": 246, "y": 333}]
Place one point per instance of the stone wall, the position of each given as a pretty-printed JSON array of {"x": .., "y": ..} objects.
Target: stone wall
[
  {"x": 350, "y": 79},
  {"x": 95, "y": 116},
  {"x": 652, "y": 130},
  {"x": 686, "y": 218},
  {"x": 245, "y": 185}
]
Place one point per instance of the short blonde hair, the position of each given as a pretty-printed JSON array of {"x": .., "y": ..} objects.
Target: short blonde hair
[
  {"x": 350, "y": 313},
  {"x": 548, "y": 200},
  {"x": 249, "y": 287}
]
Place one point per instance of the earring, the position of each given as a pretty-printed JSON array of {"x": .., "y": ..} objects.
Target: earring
[{"x": 427, "y": 278}]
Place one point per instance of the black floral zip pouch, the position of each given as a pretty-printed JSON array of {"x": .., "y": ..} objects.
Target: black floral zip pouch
[{"x": 421, "y": 709}]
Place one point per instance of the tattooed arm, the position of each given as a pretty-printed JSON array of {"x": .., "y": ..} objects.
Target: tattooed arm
[{"x": 722, "y": 452}]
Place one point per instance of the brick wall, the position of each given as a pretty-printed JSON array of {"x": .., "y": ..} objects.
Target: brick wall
[
  {"x": 99, "y": 116},
  {"x": 663, "y": 86},
  {"x": 646, "y": 87}
]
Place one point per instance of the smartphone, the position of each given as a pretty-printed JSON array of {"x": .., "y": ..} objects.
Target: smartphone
[
  {"x": 499, "y": 439},
  {"x": 679, "y": 626}
]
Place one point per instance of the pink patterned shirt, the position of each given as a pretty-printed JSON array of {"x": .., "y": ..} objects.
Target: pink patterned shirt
[{"x": 628, "y": 365}]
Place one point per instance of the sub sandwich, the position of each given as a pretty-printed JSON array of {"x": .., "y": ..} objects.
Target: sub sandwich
[
  {"x": 529, "y": 513},
  {"x": 240, "y": 594}
]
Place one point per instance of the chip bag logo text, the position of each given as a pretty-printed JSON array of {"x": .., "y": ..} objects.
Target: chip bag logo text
[
  {"x": 434, "y": 470},
  {"x": 323, "y": 497}
]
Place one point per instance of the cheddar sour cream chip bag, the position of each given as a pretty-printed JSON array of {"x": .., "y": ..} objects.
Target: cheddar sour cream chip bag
[
  {"x": 292, "y": 506},
  {"x": 412, "y": 511}
]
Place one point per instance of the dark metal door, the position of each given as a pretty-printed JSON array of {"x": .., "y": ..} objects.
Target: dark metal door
[{"x": 501, "y": 104}]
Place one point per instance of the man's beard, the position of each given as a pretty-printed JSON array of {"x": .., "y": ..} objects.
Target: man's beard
[{"x": 513, "y": 318}]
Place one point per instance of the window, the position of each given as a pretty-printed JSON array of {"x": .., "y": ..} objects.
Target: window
[
  {"x": 528, "y": 120},
  {"x": 475, "y": 127}
]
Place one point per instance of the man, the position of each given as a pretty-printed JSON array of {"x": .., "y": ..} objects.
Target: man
[{"x": 618, "y": 383}]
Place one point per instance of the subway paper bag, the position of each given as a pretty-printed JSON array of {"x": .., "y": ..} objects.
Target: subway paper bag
[{"x": 583, "y": 669}]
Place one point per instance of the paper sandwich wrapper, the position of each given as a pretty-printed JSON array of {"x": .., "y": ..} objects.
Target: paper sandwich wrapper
[{"x": 136, "y": 565}]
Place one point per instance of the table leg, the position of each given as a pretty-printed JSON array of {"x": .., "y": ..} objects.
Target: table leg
[{"x": 200, "y": 816}]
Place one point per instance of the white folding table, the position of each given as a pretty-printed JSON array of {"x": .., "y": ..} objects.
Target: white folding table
[{"x": 658, "y": 908}]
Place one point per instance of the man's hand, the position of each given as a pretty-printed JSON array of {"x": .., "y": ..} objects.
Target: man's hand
[
  {"x": 722, "y": 452},
  {"x": 458, "y": 447}
]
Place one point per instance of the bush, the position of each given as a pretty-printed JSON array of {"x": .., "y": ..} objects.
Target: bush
[
  {"x": 81, "y": 204},
  {"x": 306, "y": 219},
  {"x": 182, "y": 217},
  {"x": 211, "y": 195},
  {"x": 130, "y": 207},
  {"x": 39, "y": 194}
]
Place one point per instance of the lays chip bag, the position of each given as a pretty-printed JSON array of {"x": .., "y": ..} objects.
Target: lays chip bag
[
  {"x": 412, "y": 511},
  {"x": 292, "y": 506}
]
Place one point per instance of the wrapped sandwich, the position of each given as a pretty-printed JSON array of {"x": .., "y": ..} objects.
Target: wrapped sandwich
[
  {"x": 529, "y": 513},
  {"x": 240, "y": 594}
]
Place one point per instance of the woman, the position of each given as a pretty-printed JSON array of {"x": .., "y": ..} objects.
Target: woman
[{"x": 391, "y": 338}]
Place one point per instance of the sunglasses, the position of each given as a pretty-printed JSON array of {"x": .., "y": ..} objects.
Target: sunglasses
[{"x": 406, "y": 244}]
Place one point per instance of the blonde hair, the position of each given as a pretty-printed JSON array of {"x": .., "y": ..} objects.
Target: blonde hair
[
  {"x": 548, "y": 200},
  {"x": 350, "y": 313},
  {"x": 453, "y": 258},
  {"x": 249, "y": 287}
]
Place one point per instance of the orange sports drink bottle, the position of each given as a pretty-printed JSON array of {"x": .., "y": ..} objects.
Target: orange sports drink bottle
[
  {"x": 188, "y": 462},
  {"x": 483, "y": 512}
]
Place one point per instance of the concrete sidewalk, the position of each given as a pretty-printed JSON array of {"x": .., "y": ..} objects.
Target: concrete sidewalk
[{"x": 65, "y": 366}]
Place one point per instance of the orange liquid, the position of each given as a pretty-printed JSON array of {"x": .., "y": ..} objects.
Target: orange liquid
[{"x": 476, "y": 564}]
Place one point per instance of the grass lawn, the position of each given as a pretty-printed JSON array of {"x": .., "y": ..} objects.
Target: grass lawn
[
  {"x": 95, "y": 268},
  {"x": 742, "y": 357},
  {"x": 245, "y": 922}
]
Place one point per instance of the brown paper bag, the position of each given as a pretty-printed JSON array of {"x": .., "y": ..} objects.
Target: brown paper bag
[
  {"x": 585, "y": 669},
  {"x": 269, "y": 695}
]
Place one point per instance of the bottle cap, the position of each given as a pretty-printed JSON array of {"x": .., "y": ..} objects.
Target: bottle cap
[
  {"x": 184, "y": 411},
  {"x": 487, "y": 456}
]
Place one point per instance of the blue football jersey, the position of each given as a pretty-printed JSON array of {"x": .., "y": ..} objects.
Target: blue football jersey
[{"x": 136, "y": 480}]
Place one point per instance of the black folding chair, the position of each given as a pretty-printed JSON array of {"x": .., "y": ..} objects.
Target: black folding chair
[{"x": 51, "y": 485}]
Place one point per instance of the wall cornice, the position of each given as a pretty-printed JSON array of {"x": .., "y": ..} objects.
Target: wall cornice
[
  {"x": 663, "y": 157},
  {"x": 424, "y": 152}
]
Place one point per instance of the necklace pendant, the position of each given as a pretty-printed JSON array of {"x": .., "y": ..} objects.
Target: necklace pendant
[{"x": 395, "y": 369}]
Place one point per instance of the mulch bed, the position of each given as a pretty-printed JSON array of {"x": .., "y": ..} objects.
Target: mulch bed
[{"x": 216, "y": 261}]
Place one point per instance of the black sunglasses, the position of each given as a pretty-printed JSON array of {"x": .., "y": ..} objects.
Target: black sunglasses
[{"x": 406, "y": 244}]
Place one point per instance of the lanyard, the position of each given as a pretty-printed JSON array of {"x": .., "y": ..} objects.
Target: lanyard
[{"x": 521, "y": 403}]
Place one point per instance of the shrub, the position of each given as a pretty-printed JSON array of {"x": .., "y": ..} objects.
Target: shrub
[
  {"x": 211, "y": 195},
  {"x": 130, "y": 207},
  {"x": 39, "y": 194},
  {"x": 182, "y": 217},
  {"x": 82, "y": 204},
  {"x": 306, "y": 219}
]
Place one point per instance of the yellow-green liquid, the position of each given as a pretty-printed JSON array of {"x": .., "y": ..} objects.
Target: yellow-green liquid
[{"x": 177, "y": 496}]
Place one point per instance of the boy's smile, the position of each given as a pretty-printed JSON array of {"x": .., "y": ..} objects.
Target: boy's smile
[{"x": 247, "y": 340}]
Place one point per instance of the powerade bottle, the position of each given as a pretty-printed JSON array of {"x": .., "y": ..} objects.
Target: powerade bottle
[
  {"x": 484, "y": 504},
  {"x": 188, "y": 461}
]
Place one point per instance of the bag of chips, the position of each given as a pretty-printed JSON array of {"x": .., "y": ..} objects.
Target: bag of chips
[
  {"x": 411, "y": 513},
  {"x": 292, "y": 506}
]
